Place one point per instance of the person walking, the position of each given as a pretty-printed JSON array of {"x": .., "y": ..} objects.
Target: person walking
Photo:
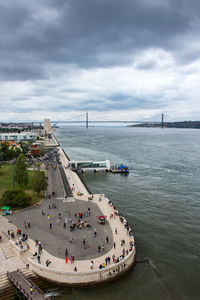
[
  {"x": 107, "y": 239},
  {"x": 84, "y": 242},
  {"x": 103, "y": 248},
  {"x": 70, "y": 239},
  {"x": 106, "y": 260},
  {"x": 95, "y": 233},
  {"x": 115, "y": 230},
  {"x": 66, "y": 252},
  {"x": 99, "y": 249},
  {"x": 75, "y": 269},
  {"x": 48, "y": 262},
  {"x": 114, "y": 245},
  {"x": 91, "y": 264},
  {"x": 50, "y": 225},
  {"x": 38, "y": 258}
]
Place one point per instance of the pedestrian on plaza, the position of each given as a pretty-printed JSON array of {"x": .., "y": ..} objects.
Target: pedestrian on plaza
[
  {"x": 48, "y": 262},
  {"x": 109, "y": 260},
  {"x": 115, "y": 230},
  {"x": 106, "y": 260},
  {"x": 64, "y": 225},
  {"x": 38, "y": 258},
  {"x": 70, "y": 239},
  {"x": 40, "y": 249},
  {"x": 66, "y": 252},
  {"x": 75, "y": 269},
  {"x": 43, "y": 213},
  {"x": 91, "y": 264},
  {"x": 50, "y": 225},
  {"x": 95, "y": 232},
  {"x": 48, "y": 216},
  {"x": 103, "y": 248},
  {"x": 99, "y": 249},
  {"x": 107, "y": 239},
  {"x": 84, "y": 242},
  {"x": 114, "y": 245}
]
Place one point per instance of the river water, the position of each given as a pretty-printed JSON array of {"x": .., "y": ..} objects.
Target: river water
[{"x": 161, "y": 200}]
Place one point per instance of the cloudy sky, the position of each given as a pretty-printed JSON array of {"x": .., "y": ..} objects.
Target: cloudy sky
[{"x": 116, "y": 59}]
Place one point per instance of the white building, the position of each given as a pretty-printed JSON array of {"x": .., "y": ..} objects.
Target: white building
[
  {"x": 90, "y": 165},
  {"x": 23, "y": 136}
]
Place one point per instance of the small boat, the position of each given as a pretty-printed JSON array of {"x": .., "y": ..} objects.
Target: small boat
[{"x": 123, "y": 169}]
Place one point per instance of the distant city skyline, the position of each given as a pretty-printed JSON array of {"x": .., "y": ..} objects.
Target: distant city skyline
[{"x": 116, "y": 60}]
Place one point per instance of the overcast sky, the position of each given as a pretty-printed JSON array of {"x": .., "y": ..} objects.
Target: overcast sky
[{"x": 116, "y": 59}]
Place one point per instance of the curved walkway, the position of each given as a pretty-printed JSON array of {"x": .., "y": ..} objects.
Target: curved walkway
[{"x": 117, "y": 251}]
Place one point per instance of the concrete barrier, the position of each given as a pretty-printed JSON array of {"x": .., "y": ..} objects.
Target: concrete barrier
[{"x": 93, "y": 277}]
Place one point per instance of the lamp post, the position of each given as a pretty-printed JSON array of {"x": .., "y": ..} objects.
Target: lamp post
[
  {"x": 1, "y": 154},
  {"x": 13, "y": 167}
]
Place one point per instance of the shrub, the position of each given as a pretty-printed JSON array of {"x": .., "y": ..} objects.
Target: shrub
[{"x": 15, "y": 198}]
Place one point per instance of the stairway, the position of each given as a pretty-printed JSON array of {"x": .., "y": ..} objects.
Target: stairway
[
  {"x": 25, "y": 255},
  {"x": 7, "y": 290},
  {"x": 8, "y": 250}
]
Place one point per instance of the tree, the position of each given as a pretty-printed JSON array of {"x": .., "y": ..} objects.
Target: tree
[
  {"x": 21, "y": 174},
  {"x": 42, "y": 151},
  {"x": 25, "y": 146},
  {"x": 15, "y": 198},
  {"x": 8, "y": 152},
  {"x": 40, "y": 180}
]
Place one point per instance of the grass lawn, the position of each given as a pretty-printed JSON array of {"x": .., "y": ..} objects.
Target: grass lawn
[{"x": 6, "y": 182}]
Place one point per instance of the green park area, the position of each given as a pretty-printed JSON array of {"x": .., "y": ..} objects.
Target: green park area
[{"x": 6, "y": 183}]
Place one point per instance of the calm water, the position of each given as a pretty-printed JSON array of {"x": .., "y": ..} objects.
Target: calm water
[{"x": 160, "y": 198}]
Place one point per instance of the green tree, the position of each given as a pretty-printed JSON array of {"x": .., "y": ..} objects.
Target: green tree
[
  {"x": 8, "y": 153},
  {"x": 42, "y": 151},
  {"x": 25, "y": 146},
  {"x": 15, "y": 198},
  {"x": 40, "y": 180},
  {"x": 21, "y": 174}
]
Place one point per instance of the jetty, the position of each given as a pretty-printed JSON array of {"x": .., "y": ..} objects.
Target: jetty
[
  {"x": 99, "y": 257},
  {"x": 26, "y": 286}
]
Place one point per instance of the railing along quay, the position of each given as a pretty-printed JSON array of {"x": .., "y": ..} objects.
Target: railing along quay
[{"x": 26, "y": 286}]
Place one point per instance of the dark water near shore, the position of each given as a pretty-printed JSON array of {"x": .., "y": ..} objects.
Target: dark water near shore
[{"x": 161, "y": 200}]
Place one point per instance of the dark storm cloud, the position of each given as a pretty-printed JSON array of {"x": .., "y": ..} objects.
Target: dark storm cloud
[{"x": 89, "y": 33}]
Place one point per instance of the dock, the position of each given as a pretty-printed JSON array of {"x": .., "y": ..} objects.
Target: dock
[
  {"x": 66, "y": 193},
  {"x": 26, "y": 286}
]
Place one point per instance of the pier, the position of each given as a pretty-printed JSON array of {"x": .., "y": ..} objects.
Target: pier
[{"x": 69, "y": 195}]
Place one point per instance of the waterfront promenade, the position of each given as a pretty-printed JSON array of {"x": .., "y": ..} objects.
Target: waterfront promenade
[{"x": 55, "y": 240}]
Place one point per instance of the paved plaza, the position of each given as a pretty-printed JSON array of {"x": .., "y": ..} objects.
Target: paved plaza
[{"x": 56, "y": 240}]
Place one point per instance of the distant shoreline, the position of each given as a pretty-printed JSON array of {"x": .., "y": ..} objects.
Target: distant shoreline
[{"x": 184, "y": 124}]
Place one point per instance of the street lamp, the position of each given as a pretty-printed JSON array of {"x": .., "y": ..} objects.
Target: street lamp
[
  {"x": 1, "y": 153},
  {"x": 13, "y": 166}
]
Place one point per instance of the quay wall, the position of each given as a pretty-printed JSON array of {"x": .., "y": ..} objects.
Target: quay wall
[
  {"x": 91, "y": 277},
  {"x": 62, "y": 272}
]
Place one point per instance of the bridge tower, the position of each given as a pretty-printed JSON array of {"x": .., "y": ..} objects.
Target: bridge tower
[
  {"x": 162, "y": 123},
  {"x": 86, "y": 119}
]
